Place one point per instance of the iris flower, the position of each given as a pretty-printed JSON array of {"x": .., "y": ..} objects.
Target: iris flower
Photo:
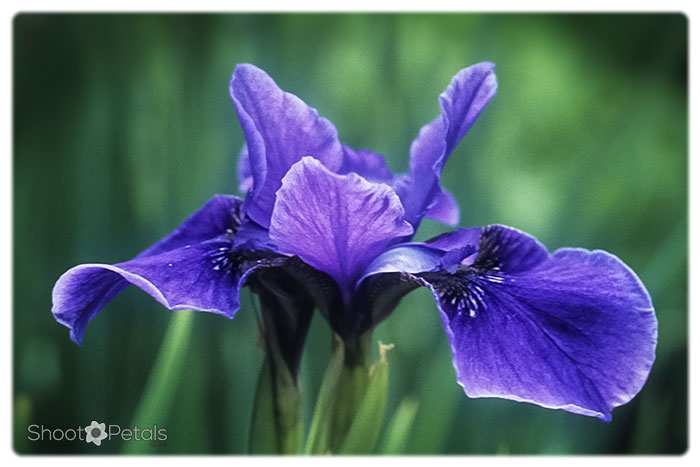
[{"x": 326, "y": 226}]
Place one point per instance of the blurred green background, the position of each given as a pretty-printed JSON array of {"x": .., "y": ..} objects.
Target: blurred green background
[{"x": 123, "y": 126}]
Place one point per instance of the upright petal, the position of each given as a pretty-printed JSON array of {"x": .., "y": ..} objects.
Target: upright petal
[
  {"x": 365, "y": 163},
  {"x": 245, "y": 173},
  {"x": 171, "y": 270},
  {"x": 444, "y": 209},
  {"x": 336, "y": 223},
  {"x": 279, "y": 130},
  {"x": 467, "y": 95},
  {"x": 572, "y": 330}
]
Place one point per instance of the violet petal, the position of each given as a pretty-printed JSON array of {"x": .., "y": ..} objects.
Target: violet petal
[
  {"x": 84, "y": 290},
  {"x": 279, "y": 130},
  {"x": 461, "y": 103},
  {"x": 572, "y": 330},
  {"x": 335, "y": 223}
]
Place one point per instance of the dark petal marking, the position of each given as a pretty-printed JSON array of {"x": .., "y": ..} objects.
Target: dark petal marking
[
  {"x": 220, "y": 215},
  {"x": 462, "y": 292},
  {"x": 508, "y": 250}
]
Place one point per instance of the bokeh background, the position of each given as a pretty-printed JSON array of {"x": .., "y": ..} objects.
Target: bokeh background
[{"x": 123, "y": 126}]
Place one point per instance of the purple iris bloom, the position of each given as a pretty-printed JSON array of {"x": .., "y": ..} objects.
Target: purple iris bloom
[{"x": 331, "y": 227}]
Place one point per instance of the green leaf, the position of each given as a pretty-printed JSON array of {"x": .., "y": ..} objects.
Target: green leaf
[
  {"x": 159, "y": 393},
  {"x": 367, "y": 423},
  {"x": 319, "y": 433},
  {"x": 263, "y": 433},
  {"x": 399, "y": 428}
]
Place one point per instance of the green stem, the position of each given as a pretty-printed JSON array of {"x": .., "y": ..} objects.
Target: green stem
[
  {"x": 351, "y": 387},
  {"x": 317, "y": 441},
  {"x": 352, "y": 400},
  {"x": 276, "y": 426},
  {"x": 277, "y": 423}
]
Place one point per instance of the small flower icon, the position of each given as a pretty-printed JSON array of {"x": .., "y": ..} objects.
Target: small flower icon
[{"x": 95, "y": 433}]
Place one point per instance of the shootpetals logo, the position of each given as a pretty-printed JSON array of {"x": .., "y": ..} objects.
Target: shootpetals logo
[{"x": 97, "y": 432}]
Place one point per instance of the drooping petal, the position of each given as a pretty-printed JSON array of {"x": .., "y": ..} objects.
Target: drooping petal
[
  {"x": 279, "y": 130},
  {"x": 461, "y": 103},
  {"x": 336, "y": 223},
  {"x": 365, "y": 163},
  {"x": 206, "y": 276},
  {"x": 573, "y": 330},
  {"x": 81, "y": 292}
]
